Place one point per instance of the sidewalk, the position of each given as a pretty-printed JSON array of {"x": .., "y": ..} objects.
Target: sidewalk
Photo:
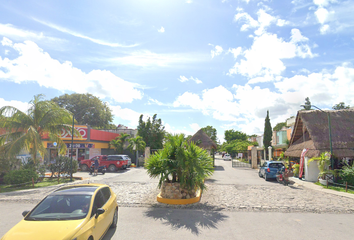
[{"x": 313, "y": 186}]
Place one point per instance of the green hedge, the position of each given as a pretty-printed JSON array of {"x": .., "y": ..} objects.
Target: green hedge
[
  {"x": 347, "y": 174},
  {"x": 20, "y": 176}
]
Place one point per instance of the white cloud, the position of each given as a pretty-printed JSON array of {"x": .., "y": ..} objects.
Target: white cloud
[
  {"x": 184, "y": 79},
  {"x": 79, "y": 35},
  {"x": 235, "y": 51},
  {"x": 15, "y": 33},
  {"x": 34, "y": 65},
  {"x": 161, "y": 30},
  {"x": 126, "y": 114},
  {"x": 281, "y": 22},
  {"x": 264, "y": 58},
  {"x": 196, "y": 80},
  {"x": 154, "y": 101},
  {"x": 195, "y": 127},
  {"x": 322, "y": 15},
  {"x": 23, "y": 106},
  {"x": 296, "y": 36},
  {"x": 324, "y": 29},
  {"x": 218, "y": 50}
]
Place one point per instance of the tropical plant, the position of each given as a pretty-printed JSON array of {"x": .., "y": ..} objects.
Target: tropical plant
[
  {"x": 21, "y": 176},
  {"x": 180, "y": 161},
  {"x": 135, "y": 145},
  {"x": 119, "y": 142},
  {"x": 347, "y": 174},
  {"x": 323, "y": 161},
  {"x": 152, "y": 131},
  {"x": 24, "y": 131},
  {"x": 267, "y": 136}
]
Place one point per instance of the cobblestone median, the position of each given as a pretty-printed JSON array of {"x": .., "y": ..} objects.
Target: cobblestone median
[{"x": 277, "y": 198}]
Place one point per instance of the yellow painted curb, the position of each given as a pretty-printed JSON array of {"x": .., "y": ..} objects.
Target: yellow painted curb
[{"x": 179, "y": 201}]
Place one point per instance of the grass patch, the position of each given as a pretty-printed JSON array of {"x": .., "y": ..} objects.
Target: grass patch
[
  {"x": 44, "y": 183},
  {"x": 335, "y": 188}
]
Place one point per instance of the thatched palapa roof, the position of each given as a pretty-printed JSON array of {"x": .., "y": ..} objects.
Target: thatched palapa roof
[
  {"x": 311, "y": 131},
  {"x": 203, "y": 140}
]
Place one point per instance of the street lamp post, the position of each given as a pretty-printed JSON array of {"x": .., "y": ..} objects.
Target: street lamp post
[
  {"x": 330, "y": 134},
  {"x": 72, "y": 143}
]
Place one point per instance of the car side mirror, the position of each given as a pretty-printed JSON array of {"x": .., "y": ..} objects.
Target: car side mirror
[
  {"x": 99, "y": 212},
  {"x": 24, "y": 213}
]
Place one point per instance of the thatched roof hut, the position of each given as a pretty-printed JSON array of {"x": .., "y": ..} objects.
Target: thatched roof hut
[
  {"x": 311, "y": 131},
  {"x": 203, "y": 140}
]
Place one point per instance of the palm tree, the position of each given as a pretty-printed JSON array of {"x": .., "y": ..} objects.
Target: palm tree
[
  {"x": 136, "y": 143},
  {"x": 119, "y": 142},
  {"x": 180, "y": 161},
  {"x": 24, "y": 131}
]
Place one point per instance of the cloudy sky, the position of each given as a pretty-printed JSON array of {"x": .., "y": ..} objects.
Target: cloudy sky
[{"x": 195, "y": 63}]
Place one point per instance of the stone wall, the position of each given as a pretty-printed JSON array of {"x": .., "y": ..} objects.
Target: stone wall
[{"x": 174, "y": 191}]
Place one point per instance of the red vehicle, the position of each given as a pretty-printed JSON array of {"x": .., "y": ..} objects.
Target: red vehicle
[{"x": 112, "y": 162}]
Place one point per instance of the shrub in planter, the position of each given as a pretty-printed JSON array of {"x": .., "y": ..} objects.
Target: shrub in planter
[
  {"x": 20, "y": 176},
  {"x": 180, "y": 162}
]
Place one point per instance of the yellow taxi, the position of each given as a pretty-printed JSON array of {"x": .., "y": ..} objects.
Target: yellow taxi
[{"x": 75, "y": 212}]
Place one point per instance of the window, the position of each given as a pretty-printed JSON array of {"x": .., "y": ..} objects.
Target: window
[
  {"x": 276, "y": 165},
  {"x": 106, "y": 193},
  {"x": 98, "y": 203}
]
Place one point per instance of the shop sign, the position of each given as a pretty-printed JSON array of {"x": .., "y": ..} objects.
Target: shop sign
[
  {"x": 65, "y": 134},
  {"x": 75, "y": 145}
]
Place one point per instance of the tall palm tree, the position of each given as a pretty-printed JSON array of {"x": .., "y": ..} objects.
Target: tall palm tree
[
  {"x": 24, "y": 131},
  {"x": 136, "y": 143},
  {"x": 119, "y": 142}
]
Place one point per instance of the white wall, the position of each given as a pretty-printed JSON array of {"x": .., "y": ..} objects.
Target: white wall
[{"x": 311, "y": 170}]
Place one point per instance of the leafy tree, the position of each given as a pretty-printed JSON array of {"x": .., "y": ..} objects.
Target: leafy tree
[
  {"x": 236, "y": 146},
  {"x": 211, "y": 132},
  {"x": 279, "y": 126},
  {"x": 119, "y": 142},
  {"x": 267, "y": 136},
  {"x": 87, "y": 109},
  {"x": 307, "y": 105},
  {"x": 152, "y": 132},
  {"x": 180, "y": 161},
  {"x": 339, "y": 106},
  {"x": 137, "y": 143},
  {"x": 25, "y": 130},
  {"x": 235, "y": 135}
]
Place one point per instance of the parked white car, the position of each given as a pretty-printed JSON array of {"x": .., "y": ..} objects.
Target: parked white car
[{"x": 227, "y": 157}]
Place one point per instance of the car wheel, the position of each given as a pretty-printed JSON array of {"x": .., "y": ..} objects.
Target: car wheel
[
  {"x": 115, "y": 219},
  {"x": 84, "y": 167},
  {"x": 265, "y": 177},
  {"x": 112, "y": 168},
  {"x": 103, "y": 172},
  {"x": 260, "y": 174}
]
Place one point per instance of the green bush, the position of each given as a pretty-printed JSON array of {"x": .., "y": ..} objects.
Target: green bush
[
  {"x": 296, "y": 169},
  {"x": 62, "y": 164},
  {"x": 347, "y": 174},
  {"x": 20, "y": 176}
]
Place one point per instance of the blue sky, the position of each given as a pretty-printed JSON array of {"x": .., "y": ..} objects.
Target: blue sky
[{"x": 195, "y": 63}]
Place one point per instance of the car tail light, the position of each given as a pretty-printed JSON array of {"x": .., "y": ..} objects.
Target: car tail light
[{"x": 268, "y": 170}]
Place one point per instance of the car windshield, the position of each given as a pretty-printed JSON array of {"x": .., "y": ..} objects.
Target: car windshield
[
  {"x": 61, "y": 207},
  {"x": 126, "y": 158},
  {"x": 276, "y": 165}
]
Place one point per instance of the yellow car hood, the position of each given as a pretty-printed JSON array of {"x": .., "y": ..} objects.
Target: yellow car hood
[{"x": 44, "y": 230}]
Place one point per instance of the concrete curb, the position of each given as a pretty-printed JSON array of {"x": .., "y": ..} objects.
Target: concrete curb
[{"x": 313, "y": 186}]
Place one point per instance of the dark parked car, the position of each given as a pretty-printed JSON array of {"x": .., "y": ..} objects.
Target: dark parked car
[
  {"x": 269, "y": 169},
  {"x": 101, "y": 169}
]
